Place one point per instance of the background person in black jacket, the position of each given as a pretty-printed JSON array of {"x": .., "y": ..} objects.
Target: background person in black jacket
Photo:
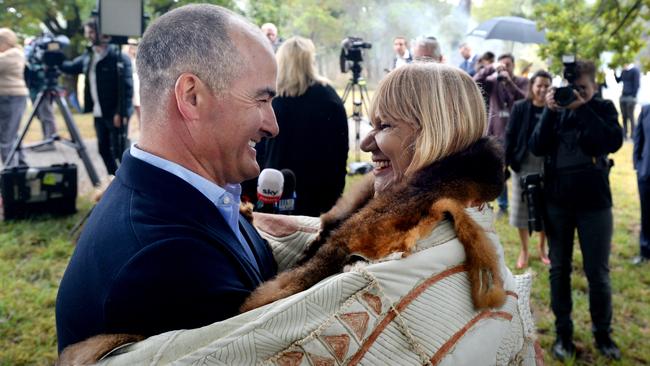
[
  {"x": 523, "y": 119},
  {"x": 575, "y": 142},
  {"x": 313, "y": 138},
  {"x": 107, "y": 96}
]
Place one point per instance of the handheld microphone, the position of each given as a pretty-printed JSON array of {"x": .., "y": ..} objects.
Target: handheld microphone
[
  {"x": 269, "y": 190},
  {"x": 287, "y": 203}
]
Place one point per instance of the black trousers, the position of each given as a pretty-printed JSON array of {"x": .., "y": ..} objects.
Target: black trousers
[
  {"x": 627, "y": 105},
  {"x": 594, "y": 234},
  {"x": 644, "y": 236},
  {"x": 110, "y": 142}
]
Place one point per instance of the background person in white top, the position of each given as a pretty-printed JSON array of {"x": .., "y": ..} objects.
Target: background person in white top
[{"x": 402, "y": 54}]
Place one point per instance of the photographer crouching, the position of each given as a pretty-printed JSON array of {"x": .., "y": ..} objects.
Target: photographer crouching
[{"x": 574, "y": 135}]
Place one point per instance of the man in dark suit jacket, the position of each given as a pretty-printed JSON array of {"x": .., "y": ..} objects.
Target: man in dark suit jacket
[
  {"x": 641, "y": 158},
  {"x": 166, "y": 247}
]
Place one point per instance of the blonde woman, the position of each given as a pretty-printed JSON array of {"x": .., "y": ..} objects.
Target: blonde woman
[
  {"x": 313, "y": 138},
  {"x": 13, "y": 91}
]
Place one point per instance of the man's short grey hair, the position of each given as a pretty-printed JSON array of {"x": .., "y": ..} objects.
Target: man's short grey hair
[
  {"x": 429, "y": 46},
  {"x": 195, "y": 39}
]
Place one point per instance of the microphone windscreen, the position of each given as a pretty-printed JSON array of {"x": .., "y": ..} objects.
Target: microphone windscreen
[
  {"x": 269, "y": 185},
  {"x": 289, "y": 183}
]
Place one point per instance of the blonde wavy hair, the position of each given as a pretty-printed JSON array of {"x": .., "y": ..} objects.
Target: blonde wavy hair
[
  {"x": 296, "y": 71},
  {"x": 442, "y": 102}
]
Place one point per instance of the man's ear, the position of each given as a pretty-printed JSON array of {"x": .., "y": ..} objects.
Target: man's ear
[{"x": 186, "y": 91}]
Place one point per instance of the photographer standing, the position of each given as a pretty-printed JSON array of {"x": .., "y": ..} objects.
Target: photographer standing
[
  {"x": 108, "y": 93},
  {"x": 575, "y": 140}
]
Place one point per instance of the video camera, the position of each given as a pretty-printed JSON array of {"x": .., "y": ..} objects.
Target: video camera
[
  {"x": 564, "y": 95},
  {"x": 351, "y": 50},
  {"x": 48, "y": 50}
]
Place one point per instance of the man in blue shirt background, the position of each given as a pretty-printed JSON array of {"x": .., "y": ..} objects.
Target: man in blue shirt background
[{"x": 469, "y": 60}]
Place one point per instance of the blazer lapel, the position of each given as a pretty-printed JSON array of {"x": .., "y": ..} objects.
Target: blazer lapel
[{"x": 225, "y": 235}]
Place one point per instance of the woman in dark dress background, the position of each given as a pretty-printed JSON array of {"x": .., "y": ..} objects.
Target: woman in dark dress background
[
  {"x": 313, "y": 138},
  {"x": 525, "y": 115}
]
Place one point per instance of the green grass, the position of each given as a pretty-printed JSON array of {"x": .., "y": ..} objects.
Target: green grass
[{"x": 34, "y": 254}]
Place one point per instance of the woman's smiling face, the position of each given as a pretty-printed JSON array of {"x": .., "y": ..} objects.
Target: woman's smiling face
[{"x": 391, "y": 144}]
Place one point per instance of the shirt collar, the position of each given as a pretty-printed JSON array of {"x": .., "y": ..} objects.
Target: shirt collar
[{"x": 219, "y": 196}]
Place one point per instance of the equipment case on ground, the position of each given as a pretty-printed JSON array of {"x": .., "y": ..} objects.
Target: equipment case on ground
[{"x": 28, "y": 191}]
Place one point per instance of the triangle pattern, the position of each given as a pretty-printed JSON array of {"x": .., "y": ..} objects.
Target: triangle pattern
[
  {"x": 373, "y": 301},
  {"x": 321, "y": 361},
  {"x": 358, "y": 322},
  {"x": 291, "y": 359},
  {"x": 339, "y": 344}
]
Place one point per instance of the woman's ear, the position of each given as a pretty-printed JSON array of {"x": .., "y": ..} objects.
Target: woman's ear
[{"x": 186, "y": 91}]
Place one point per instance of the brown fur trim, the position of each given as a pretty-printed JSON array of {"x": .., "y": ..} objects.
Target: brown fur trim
[
  {"x": 395, "y": 220},
  {"x": 91, "y": 350},
  {"x": 353, "y": 200},
  {"x": 481, "y": 257}
]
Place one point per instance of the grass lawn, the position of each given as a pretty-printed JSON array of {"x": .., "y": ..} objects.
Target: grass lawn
[{"x": 34, "y": 254}]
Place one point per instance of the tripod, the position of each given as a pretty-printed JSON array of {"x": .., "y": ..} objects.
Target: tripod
[
  {"x": 52, "y": 92},
  {"x": 357, "y": 87}
]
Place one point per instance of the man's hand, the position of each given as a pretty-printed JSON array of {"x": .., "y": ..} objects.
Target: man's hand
[
  {"x": 117, "y": 121},
  {"x": 550, "y": 100},
  {"x": 505, "y": 75}
]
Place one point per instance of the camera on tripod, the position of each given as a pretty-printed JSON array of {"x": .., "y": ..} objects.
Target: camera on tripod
[
  {"x": 48, "y": 50},
  {"x": 352, "y": 51},
  {"x": 564, "y": 95},
  {"x": 531, "y": 186}
]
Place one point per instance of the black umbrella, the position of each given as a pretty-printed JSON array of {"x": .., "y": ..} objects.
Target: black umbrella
[{"x": 509, "y": 29}]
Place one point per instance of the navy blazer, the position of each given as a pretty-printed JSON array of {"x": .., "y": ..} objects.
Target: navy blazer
[
  {"x": 156, "y": 255},
  {"x": 641, "y": 154}
]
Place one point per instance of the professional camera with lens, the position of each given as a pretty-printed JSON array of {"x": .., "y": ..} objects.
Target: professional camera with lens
[
  {"x": 48, "y": 50},
  {"x": 351, "y": 50},
  {"x": 531, "y": 186},
  {"x": 564, "y": 95}
]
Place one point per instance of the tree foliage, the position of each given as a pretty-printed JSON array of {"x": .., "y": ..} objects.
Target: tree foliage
[
  {"x": 31, "y": 18},
  {"x": 588, "y": 30},
  {"x": 66, "y": 17}
]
